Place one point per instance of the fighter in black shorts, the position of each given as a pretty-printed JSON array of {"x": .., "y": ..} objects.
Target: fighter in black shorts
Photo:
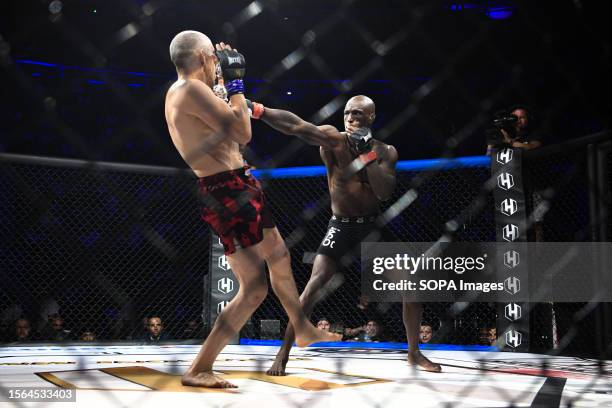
[{"x": 360, "y": 174}]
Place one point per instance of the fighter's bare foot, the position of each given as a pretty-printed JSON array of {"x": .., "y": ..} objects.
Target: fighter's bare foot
[
  {"x": 206, "y": 379},
  {"x": 418, "y": 359},
  {"x": 311, "y": 334},
  {"x": 278, "y": 368}
]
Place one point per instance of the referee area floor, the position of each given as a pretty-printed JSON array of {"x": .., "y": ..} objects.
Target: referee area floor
[{"x": 345, "y": 376}]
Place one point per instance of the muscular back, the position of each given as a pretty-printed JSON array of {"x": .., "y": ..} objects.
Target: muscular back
[
  {"x": 206, "y": 150},
  {"x": 351, "y": 194}
]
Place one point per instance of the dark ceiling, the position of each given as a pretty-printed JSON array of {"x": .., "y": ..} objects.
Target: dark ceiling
[{"x": 436, "y": 69}]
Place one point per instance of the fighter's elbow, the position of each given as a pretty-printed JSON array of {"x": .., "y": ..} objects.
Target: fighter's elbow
[
  {"x": 385, "y": 194},
  {"x": 384, "y": 197},
  {"x": 242, "y": 140},
  {"x": 242, "y": 136},
  {"x": 239, "y": 130}
]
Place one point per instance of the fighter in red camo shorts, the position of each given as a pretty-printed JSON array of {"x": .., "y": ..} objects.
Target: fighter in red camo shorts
[{"x": 234, "y": 205}]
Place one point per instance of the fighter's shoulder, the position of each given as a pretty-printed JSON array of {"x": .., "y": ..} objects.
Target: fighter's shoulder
[
  {"x": 386, "y": 149},
  {"x": 333, "y": 148},
  {"x": 189, "y": 89},
  {"x": 333, "y": 135},
  {"x": 330, "y": 130}
]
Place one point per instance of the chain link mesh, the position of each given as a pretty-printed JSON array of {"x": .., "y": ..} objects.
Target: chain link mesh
[
  {"x": 302, "y": 210},
  {"x": 112, "y": 246},
  {"x": 120, "y": 246},
  {"x": 109, "y": 247}
]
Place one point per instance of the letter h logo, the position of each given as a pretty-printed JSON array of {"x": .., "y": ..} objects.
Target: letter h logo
[{"x": 504, "y": 156}]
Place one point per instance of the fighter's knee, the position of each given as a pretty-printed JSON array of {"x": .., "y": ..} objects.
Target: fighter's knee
[
  {"x": 305, "y": 299},
  {"x": 279, "y": 252},
  {"x": 321, "y": 275},
  {"x": 256, "y": 294}
]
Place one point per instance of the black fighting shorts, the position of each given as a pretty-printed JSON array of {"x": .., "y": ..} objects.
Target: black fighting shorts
[{"x": 345, "y": 234}]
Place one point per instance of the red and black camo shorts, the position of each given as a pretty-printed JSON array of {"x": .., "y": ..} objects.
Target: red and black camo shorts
[{"x": 234, "y": 205}]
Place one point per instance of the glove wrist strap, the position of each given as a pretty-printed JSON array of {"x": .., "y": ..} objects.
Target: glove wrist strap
[
  {"x": 235, "y": 86},
  {"x": 258, "y": 110},
  {"x": 368, "y": 158}
]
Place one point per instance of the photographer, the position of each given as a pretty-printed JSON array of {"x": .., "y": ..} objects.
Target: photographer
[{"x": 512, "y": 128}]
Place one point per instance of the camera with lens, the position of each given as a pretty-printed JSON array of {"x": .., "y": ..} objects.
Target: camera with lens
[{"x": 501, "y": 120}]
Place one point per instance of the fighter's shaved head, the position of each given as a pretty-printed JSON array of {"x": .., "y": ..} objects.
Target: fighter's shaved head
[
  {"x": 185, "y": 48},
  {"x": 362, "y": 102},
  {"x": 359, "y": 111}
]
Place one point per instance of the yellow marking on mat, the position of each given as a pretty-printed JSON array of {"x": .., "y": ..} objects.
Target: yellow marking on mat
[
  {"x": 161, "y": 381},
  {"x": 157, "y": 380},
  {"x": 55, "y": 380}
]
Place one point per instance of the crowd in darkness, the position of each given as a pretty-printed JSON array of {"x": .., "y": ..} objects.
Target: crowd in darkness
[
  {"x": 50, "y": 324},
  {"x": 151, "y": 329},
  {"x": 367, "y": 322},
  {"x": 364, "y": 323}
]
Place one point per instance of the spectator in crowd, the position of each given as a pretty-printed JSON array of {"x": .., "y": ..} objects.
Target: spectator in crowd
[
  {"x": 88, "y": 336},
  {"x": 22, "y": 331},
  {"x": 363, "y": 302},
  {"x": 323, "y": 324},
  {"x": 8, "y": 317},
  {"x": 192, "y": 330},
  {"x": 371, "y": 331},
  {"x": 49, "y": 308},
  {"x": 337, "y": 327},
  {"x": 140, "y": 329},
  {"x": 425, "y": 333},
  {"x": 487, "y": 336},
  {"x": 155, "y": 330},
  {"x": 55, "y": 329}
]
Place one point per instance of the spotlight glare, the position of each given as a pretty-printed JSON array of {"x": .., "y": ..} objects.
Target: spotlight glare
[{"x": 55, "y": 7}]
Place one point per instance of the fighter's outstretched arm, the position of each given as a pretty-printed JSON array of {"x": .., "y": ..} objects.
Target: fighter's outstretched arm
[{"x": 290, "y": 124}]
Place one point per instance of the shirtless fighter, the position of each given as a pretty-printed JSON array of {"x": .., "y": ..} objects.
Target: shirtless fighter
[
  {"x": 360, "y": 174},
  {"x": 207, "y": 133}
]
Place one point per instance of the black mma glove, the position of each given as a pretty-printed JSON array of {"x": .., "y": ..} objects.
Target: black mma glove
[
  {"x": 233, "y": 64},
  {"x": 362, "y": 140}
]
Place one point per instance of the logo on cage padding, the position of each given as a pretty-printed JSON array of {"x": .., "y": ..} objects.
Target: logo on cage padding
[
  {"x": 225, "y": 285},
  {"x": 513, "y": 311},
  {"x": 509, "y": 207},
  {"x": 223, "y": 264},
  {"x": 511, "y": 259},
  {"x": 510, "y": 232},
  {"x": 504, "y": 156},
  {"x": 514, "y": 338},
  {"x": 505, "y": 181}
]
